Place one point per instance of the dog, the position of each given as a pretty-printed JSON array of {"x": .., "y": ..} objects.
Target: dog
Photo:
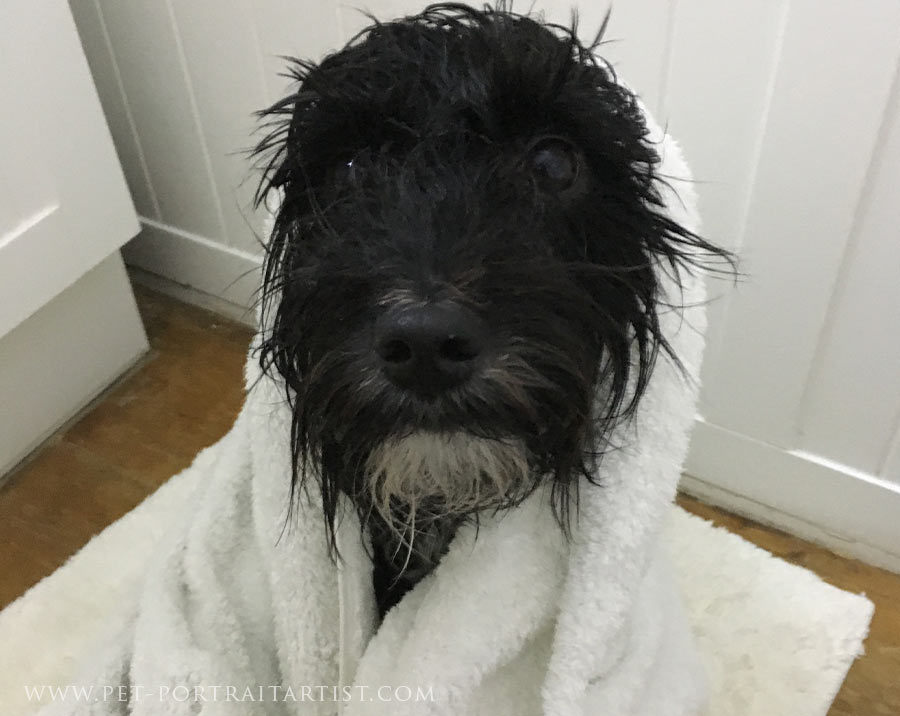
[{"x": 460, "y": 286}]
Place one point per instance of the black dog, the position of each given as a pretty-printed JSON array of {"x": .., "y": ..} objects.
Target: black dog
[{"x": 460, "y": 284}]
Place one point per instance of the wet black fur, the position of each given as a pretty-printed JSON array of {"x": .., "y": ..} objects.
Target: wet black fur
[{"x": 403, "y": 162}]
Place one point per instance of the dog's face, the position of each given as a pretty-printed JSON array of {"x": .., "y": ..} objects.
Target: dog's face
[{"x": 461, "y": 283}]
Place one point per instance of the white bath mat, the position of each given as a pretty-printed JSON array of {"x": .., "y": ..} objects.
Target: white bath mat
[{"x": 777, "y": 640}]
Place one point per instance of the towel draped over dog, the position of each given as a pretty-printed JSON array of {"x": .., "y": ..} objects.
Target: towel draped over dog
[{"x": 241, "y": 614}]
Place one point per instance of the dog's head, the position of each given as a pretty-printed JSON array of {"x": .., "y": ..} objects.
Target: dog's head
[{"x": 461, "y": 283}]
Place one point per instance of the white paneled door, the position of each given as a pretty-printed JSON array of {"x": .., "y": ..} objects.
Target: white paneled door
[
  {"x": 801, "y": 399},
  {"x": 64, "y": 210}
]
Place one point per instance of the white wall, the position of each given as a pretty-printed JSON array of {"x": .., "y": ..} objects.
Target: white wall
[{"x": 788, "y": 110}]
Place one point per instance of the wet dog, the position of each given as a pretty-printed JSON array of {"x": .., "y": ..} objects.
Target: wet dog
[{"x": 460, "y": 287}]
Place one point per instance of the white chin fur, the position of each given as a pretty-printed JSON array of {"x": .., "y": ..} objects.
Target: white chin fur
[{"x": 463, "y": 471}]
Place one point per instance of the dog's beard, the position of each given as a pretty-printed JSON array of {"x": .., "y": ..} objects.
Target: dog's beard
[
  {"x": 423, "y": 485},
  {"x": 456, "y": 472}
]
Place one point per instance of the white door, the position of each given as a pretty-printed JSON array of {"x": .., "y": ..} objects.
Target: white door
[
  {"x": 799, "y": 150},
  {"x": 64, "y": 212}
]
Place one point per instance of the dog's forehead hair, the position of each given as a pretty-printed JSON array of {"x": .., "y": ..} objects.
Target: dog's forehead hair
[
  {"x": 432, "y": 118},
  {"x": 450, "y": 71}
]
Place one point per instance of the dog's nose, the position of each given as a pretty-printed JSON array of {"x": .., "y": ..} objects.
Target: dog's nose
[{"x": 429, "y": 348}]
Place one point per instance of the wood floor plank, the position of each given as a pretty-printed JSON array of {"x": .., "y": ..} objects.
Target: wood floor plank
[{"x": 186, "y": 394}]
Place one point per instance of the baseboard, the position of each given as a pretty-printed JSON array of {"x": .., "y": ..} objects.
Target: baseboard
[
  {"x": 833, "y": 505},
  {"x": 211, "y": 274},
  {"x": 187, "y": 294}
]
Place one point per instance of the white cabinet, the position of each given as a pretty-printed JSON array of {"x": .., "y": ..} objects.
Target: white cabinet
[{"x": 68, "y": 324}]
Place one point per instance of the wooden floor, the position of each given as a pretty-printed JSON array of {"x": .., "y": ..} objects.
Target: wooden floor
[{"x": 184, "y": 396}]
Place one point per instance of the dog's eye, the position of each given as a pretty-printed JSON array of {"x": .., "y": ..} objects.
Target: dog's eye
[
  {"x": 555, "y": 165},
  {"x": 346, "y": 172}
]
